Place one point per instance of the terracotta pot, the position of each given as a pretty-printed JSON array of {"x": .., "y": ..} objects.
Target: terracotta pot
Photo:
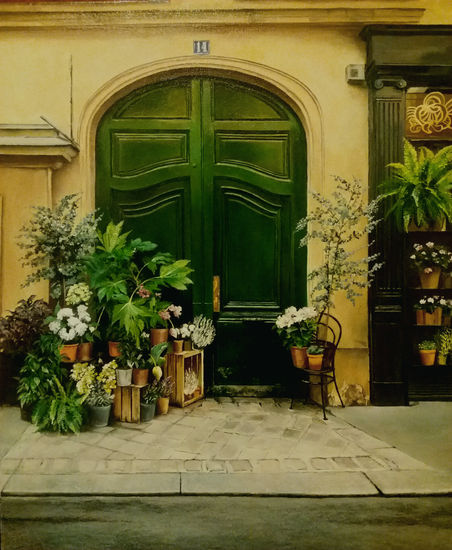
[
  {"x": 315, "y": 361},
  {"x": 178, "y": 346},
  {"x": 85, "y": 351},
  {"x": 68, "y": 353},
  {"x": 140, "y": 377},
  {"x": 430, "y": 280},
  {"x": 427, "y": 357},
  {"x": 123, "y": 377},
  {"x": 162, "y": 405},
  {"x": 299, "y": 357},
  {"x": 420, "y": 317},
  {"x": 113, "y": 349},
  {"x": 433, "y": 318},
  {"x": 159, "y": 335}
]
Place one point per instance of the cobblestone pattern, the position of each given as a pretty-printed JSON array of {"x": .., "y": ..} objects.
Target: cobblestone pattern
[{"x": 213, "y": 436}]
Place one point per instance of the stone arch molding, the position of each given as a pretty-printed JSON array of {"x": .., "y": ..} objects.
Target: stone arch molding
[{"x": 285, "y": 86}]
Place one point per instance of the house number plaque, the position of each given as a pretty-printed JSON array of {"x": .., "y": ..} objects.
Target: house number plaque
[{"x": 201, "y": 47}]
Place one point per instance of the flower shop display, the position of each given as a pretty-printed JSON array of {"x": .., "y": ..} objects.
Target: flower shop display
[
  {"x": 443, "y": 340},
  {"x": 427, "y": 352},
  {"x": 96, "y": 384},
  {"x": 297, "y": 327},
  {"x": 55, "y": 245},
  {"x": 200, "y": 332},
  {"x": 429, "y": 310},
  {"x": 187, "y": 371},
  {"x": 149, "y": 396},
  {"x": 315, "y": 357},
  {"x": 420, "y": 188},
  {"x": 429, "y": 259}
]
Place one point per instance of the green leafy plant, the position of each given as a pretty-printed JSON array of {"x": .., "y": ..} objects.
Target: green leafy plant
[
  {"x": 21, "y": 327},
  {"x": 315, "y": 350},
  {"x": 128, "y": 276},
  {"x": 164, "y": 386},
  {"x": 55, "y": 244},
  {"x": 420, "y": 188},
  {"x": 41, "y": 365},
  {"x": 337, "y": 222},
  {"x": 150, "y": 393},
  {"x": 427, "y": 344},
  {"x": 156, "y": 353},
  {"x": 59, "y": 411},
  {"x": 97, "y": 396},
  {"x": 443, "y": 340},
  {"x": 297, "y": 327}
]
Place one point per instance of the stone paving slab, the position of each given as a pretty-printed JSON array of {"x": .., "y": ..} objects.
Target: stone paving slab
[
  {"x": 300, "y": 484},
  {"x": 393, "y": 483}
]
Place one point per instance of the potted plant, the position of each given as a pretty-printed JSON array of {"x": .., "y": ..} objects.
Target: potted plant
[
  {"x": 427, "y": 352},
  {"x": 164, "y": 387},
  {"x": 443, "y": 340},
  {"x": 297, "y": 327},
  {"x": 315, "y": 357},
  {"x": 149, "y": 396},
  {"x": 70, "y": 326},
  {"x": 200, "y": 332},
  {"x": 159, "y": 335},
  {"x": 429, "y": 259},
  {"x": 80, "y": 295},
  {"x": 96, "y": 384},
  {"x": 429, "y": 310},
  {"x": 420, "y": 188}
]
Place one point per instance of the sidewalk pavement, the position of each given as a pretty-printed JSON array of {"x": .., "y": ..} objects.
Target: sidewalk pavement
[{"x": 229, "y": 446}]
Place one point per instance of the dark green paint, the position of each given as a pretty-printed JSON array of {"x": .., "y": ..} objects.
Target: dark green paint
[{"x": 215, "y": 171}]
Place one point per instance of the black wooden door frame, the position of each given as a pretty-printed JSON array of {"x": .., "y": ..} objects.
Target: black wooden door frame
[{"x": 398, "y": 57}]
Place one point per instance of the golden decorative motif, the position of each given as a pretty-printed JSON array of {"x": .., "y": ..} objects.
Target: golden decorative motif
[{"x": 433, "y": 115}]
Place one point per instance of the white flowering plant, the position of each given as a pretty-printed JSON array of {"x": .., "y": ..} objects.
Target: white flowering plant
[
  {"x": 95, "y": 382},
  {"x": 297, "y": 327},
  {"x": 201, "y": 332},
  {"x": 79, "y": 293},
  {"x": 72, "y": 325},
  {"x": 429, "y": 255},
  {"x": 430, "y": 303}
]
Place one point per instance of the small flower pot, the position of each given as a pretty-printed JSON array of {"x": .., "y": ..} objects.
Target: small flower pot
[
  {"x": 85, "y": 351},
  {"x": 113, "y": 349},
  {"x": 299, "y": 357},
  {"x": 98, "y": 416},
  {"x": 178, "y": 346},
  {"x": 433, "y": 318},
  {"x": 162, "y": 405},
  {"x": 158, "y": 335},
  {"x": 430, "y": 280},
  {"x": 123, "y": 377},
  {"x": 147, "y": 411},
  {"x": 140, "y": 377},
  {"x": 427, "y": 357},
  {"x": 68, "y": 353},
  {"x": 315, "y": 361}
]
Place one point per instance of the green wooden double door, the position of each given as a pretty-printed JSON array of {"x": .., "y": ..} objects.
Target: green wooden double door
[{"x": 215, "y": 171}]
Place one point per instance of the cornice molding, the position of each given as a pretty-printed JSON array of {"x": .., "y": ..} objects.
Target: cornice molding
[{"x": 139, "y": 14}]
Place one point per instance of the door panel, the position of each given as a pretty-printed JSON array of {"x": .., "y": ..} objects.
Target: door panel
[{"x": 215, "y": 171}]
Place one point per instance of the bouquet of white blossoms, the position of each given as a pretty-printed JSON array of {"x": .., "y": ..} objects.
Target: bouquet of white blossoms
[
  {"x": 72, "y": 325},
  {"x": 297, "y": 326}
]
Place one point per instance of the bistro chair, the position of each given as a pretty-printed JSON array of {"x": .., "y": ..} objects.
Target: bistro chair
[{"x": 328, "y": 336}]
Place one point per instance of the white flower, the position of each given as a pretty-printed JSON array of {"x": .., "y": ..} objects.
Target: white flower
[
  {"x": 422, "y": 301},
  {"x": 173, "y": 332},
  {"x": 430, "y": 300},
  {"x": 65, "y": 312},
  {"x": 73, "y": 321},
  {"x": 413, "y": 256},
  {"x": 430, "y": 244},
  {"x": 81, "y": 328},
  {"x": 54, "y": 326}
]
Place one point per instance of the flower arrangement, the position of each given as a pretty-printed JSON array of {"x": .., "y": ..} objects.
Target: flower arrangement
[
  {"x": 200, "y": 331},
  {"x": 94, "y": 384},
  {"x": 165, "y": 317},
  {"x": 429, "y": 255},
  {"x": 430, "y": 303},
  {"x": 297, "y": 326},
  {"x": 72, "y": 326}
]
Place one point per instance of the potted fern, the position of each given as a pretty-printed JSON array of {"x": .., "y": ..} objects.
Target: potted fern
[
  {"x": 443, "y": 341},
  {"x": 420, "y": 189}
]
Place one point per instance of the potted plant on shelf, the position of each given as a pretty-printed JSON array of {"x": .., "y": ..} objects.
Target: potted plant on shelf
[
  {"x": 149, "y": 396},
  {"x": 297, "y": 327},
  {"x": 429, "y": 259},
  {"x": 420, "y": 189},
  {"x": 200, "y": 332},
  {"x": 443, "y": 341},
  {"x": 429, "y": 310},
  {"x": 96, "y": 384},
  {"x": 159, "y": 335},
  {"x": 315, "y": 357},
  {"x": 427, "y": 352}
]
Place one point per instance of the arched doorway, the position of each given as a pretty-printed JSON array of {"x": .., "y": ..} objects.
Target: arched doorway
[{"x": 215, "y": 170}]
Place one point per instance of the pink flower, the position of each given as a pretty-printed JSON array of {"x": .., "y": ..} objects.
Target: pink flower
[
  {"x": 143, "y": 292},
  {"x": 176, "y": 310},
  {"x": 428, "y": 270},
  {"x": 165, "y": 315}
]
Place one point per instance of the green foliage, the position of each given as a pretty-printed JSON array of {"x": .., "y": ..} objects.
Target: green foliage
[
  {"x": 127, "y": 280},
  {"x": 315, "y": 350},
  {"x": 157, "y": 352},
  {"x": 59, "y": 411},
  {"x": 150, "y": 393},
  {"x": 337, "y": 223},
  {"x": 42, "y": 364},
  {"x": 133, "y": 354},
  {"x": 427, "y": 345},
  {"x": 420, "y": 187},
  {"x": 22, "y": 326},
  {"x": 443, "y": 340},
  {"x": 97, "y": 396},
  {"x": 54, "y": 244}
]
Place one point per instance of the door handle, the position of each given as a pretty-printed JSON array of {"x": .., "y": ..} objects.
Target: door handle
[{"x": 216, "y": 293}]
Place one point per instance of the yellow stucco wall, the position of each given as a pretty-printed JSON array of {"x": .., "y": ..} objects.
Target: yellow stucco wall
[{"x": 37, "y": 58}]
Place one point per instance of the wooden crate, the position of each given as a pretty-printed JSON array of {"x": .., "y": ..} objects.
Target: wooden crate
[
  {"x": 187, "y": 370},
  {"x": 126, "y": 405}
]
